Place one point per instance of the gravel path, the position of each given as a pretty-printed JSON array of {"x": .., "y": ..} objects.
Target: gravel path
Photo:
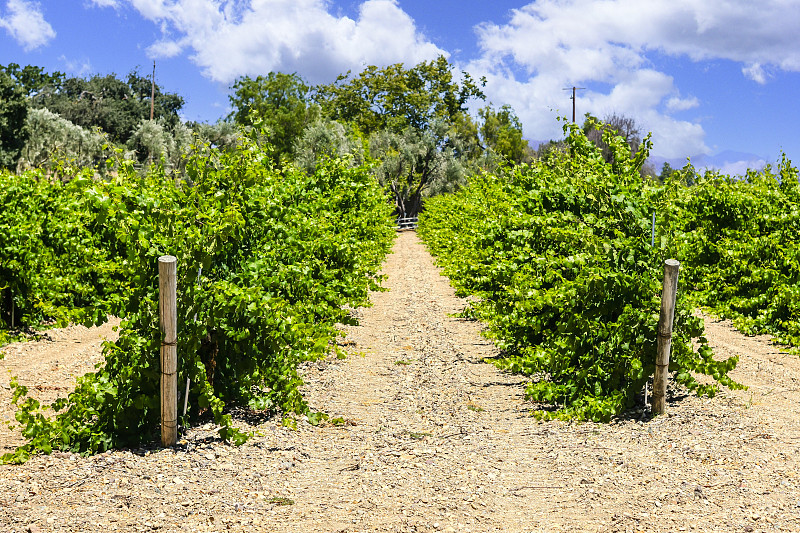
[{"x": 433, "y": 440}]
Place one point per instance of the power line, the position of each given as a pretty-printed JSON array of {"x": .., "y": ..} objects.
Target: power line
[{"x": 573, "y": 89}]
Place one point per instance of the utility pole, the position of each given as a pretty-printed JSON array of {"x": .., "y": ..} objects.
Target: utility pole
[
  {"x": 153, "y": 93},
  {"x": 573, "y": 98}
]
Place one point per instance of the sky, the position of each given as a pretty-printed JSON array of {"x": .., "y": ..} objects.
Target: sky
[{"x": 705, "y": 77}]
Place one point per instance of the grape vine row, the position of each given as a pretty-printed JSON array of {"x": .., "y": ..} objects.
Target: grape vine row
[
  {"x": 283, "y": 255},
  {"x": 558, "y": 254}
]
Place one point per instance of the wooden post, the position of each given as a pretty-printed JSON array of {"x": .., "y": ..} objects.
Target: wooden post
[
  {"x": 168, "y": 312},
  {"x": 670, "y": 290}
]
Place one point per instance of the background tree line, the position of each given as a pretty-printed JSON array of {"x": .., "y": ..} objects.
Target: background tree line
[{"x": 412, "y": 125}]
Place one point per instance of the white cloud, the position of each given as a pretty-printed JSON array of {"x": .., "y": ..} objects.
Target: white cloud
[
  {"x": 230, "y": 39},
  {"x": 611, "y": 46},
  {"x": 105, "y": 3},
  {"x": 740, "y": 168},
  {"x": 756, "y": 73},
  {"x": 677, "y": 103},
  {"x": 165, "y": 49},
  {"x": 26, "y": 25}
]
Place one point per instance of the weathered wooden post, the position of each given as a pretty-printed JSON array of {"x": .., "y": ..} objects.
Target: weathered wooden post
[
  {"x": 168, "y": 312},
  {"x": 670, "y": 290}
]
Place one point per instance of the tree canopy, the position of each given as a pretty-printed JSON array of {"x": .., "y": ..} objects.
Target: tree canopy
[
  {"x": 396, "y": 97},
  {"x": 277, "y": 102},
  {"x": 32, "y": 79},
  {"x": 13, "y": 112},
  {"x": 502, "y": 132},
  {"x": 116, "y": 106}
]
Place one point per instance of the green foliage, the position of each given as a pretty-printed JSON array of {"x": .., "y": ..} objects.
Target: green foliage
[
  {"x": 559, "y": 258},
  {"x": 620, "y": 126},
  {"x": 13, "y": 111},
  {"x": 223, "y": 134},
  {"x": 396, "y": 98},
  {"x": 666, "y": 172},
  {"x": 54, "y": 140},
  {"x": 501, "y": 132},
  {"x": 268, "y": 263},
  {"x": 32, "y": 79},
  {"x": 53, "y": 264},
  {"x": 278, "y": 103},
  {"x": 152, "y": 142},
  {"x": 115, "y": 106},
  {"x": 327, "y": 139},
  {"x": 739, "y": 240},
  {"x": 417, "y": 164}
]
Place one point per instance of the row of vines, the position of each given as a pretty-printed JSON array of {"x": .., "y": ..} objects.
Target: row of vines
[
  {"x": 561, "y": 261},
  {"x": 558, "y": 255},
  {"x": 269, "y": 261}
]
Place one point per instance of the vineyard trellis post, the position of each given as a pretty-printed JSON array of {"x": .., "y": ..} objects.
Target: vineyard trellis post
[
  {"x": 168, "y": 314},
  {"x": 668, "y": 297}
]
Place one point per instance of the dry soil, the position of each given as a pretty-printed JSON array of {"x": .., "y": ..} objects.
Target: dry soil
[{"x": 434, "y": 440}]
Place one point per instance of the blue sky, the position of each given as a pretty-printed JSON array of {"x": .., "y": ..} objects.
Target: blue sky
[{"x": 703, "y": 76}]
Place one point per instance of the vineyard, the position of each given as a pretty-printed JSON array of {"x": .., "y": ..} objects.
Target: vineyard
[
  {"x": 562, "y": 265},
  {"x": 268, "y": 263},
  {"x": 566, "y": 264},
  {"x": 558, "y": 255}
]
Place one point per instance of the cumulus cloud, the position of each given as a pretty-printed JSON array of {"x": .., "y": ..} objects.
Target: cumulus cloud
[
  {"x": 230, "y": 39},
  {"x": 611, "y": 46},
  {"x": 25, "y": 23}
]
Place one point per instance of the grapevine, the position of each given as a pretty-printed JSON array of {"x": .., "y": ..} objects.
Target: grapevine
[
  {"x": 559, "y": 257},
  {"x": 279, "y": 255}
]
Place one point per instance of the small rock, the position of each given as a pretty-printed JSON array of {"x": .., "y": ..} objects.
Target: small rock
[{"x": 33, "y": 528}]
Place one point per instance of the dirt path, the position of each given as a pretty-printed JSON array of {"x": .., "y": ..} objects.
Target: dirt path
[{"x": 438, "y": 441}]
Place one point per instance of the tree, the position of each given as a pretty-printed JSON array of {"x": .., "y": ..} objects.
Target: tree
[
  {"x": 277, "y": 102},
  {"x": 327, "y": 138},
  {"x": 115, "y": 106},
  {"x": 222, "y": 134},
  {"x": 666, "y": 172},
  {"x": 153, "y": 142},
  {"x": 396, "y": 98},
  {"x": 53, "y": 138},
  {"x": 417, "y": 123},
  {"x": 33, "y": 79},
  {"x": 501, "y": 132},
  {"x": 13, "y": 112},
  {"x": 415, "y": 164}
]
